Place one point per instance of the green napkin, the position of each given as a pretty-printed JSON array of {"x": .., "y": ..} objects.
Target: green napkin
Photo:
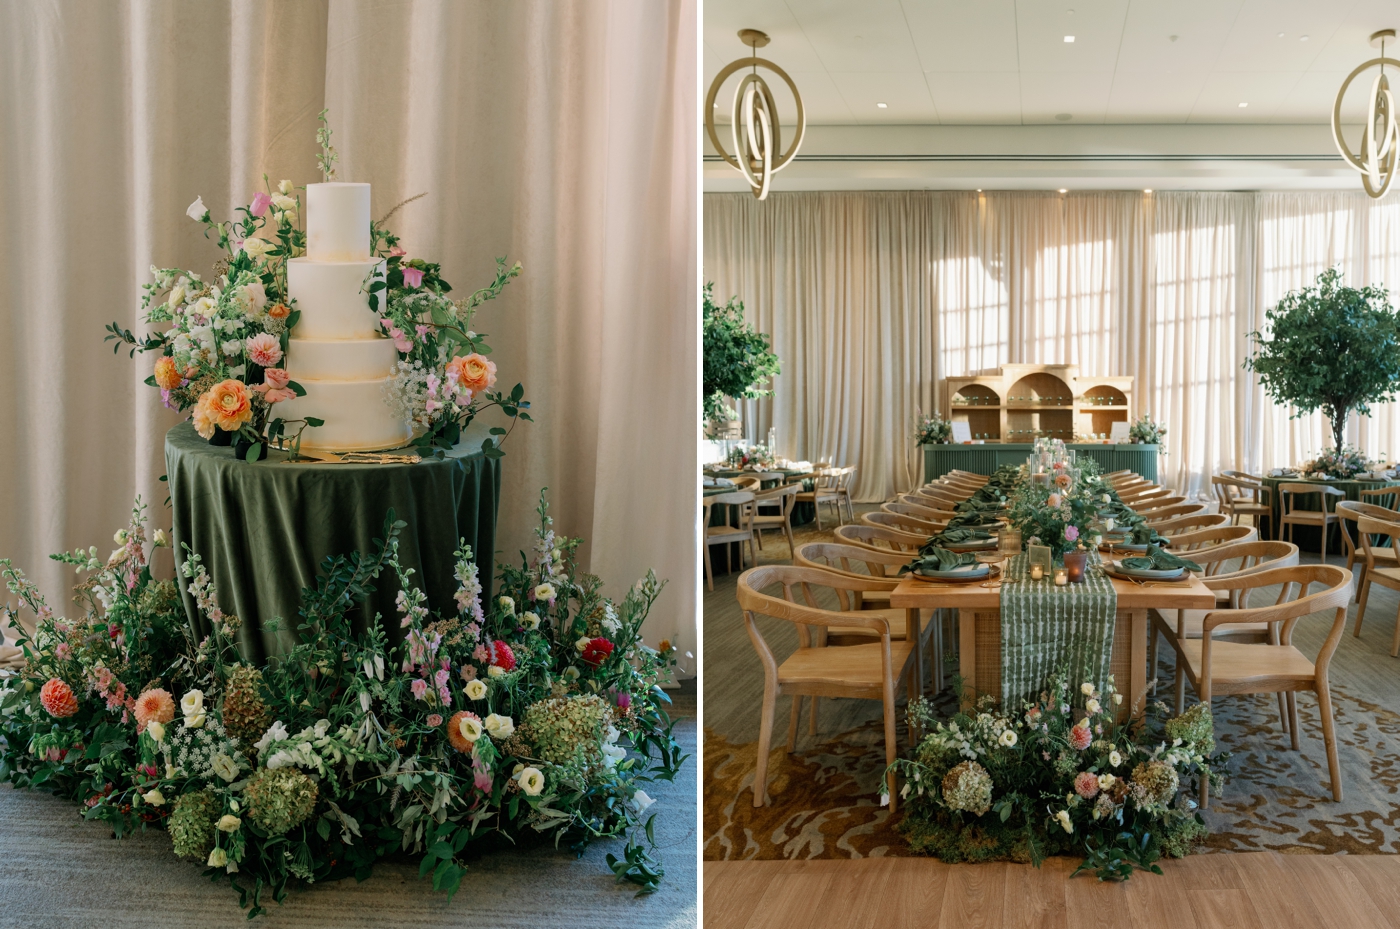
[
  {"x": 1159, "y": 559},
  {"x": 971, "y": 519},
  {"x": 1143, "y": 534},
  {"x": 933, "y": 558},
  {"x": 954, "y": 537}
]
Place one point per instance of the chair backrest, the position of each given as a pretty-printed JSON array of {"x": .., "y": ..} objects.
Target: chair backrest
[
  {"x": 1367, "y": 526},
  {"x": 1182, "y": 523},
  {"x": 1243, "y": 476},
  {"x": 1252, "y": 556},
  {"x": 753, "y": 602},
  {"x": 918, "y": 512},
  {"x": 879, "y": 538},
  {"x": 970, "y": 475},
  {"x": 1156, "y": 517},
  {"x": 748, "y": 482},
  {"x": 902, "y": 523},
  {"x": 1160, "y": 503},
  {"x": 943, "y": 510},
  {"x": 941, "y": 493},
  {"x": 1286, "y": 494},
  {"x": 1203, "y": 539},
  {"x": 784, "y": 496},
  {"x": 844, "y": 479},
  {"x": 1284, "y": 612},
  {"x": 1387, "y": 497},
  {"x": 854, "y": 560}
]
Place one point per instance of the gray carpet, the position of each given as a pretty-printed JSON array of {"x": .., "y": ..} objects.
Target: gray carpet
[{"x": 58, "y": 871}]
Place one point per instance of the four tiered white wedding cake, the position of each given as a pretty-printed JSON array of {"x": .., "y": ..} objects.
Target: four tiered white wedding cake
[{"x": 337, "y": 351}]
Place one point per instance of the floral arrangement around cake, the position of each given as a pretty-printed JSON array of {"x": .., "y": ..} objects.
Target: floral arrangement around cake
[
  {"x": 536, "y": 713},
  {"x": 1059, "y": 776},
  {"x": 1341, "y": 465},
  {"x": 932, "y": 430}
]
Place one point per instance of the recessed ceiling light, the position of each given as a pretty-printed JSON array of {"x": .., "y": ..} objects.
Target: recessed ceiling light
[
  {"x": 1302, "y": 38},
  {"x": 1280, "y": 35},
  {"x": 1243, "y": 105},
  {"x": 1147, "y": 190},
  {"x": 1064, "y": 190},
  {"x": 883, "y": 106},
  {"x": 979, "y": 190},
  {"x": 1069, "y": 38}
]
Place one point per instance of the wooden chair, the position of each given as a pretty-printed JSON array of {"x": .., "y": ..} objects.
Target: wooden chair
[
  {"x": 1239, "y": 497},
  {"x": 1244, "y": 476},
  {"x": 970, "y": 476},
  {"x": 937, "y": 499},
  {"x": 868, "y": 671},
  {"x": 750, "y": 482},
  {"x": 1160, "y": 503},
  {"x": 824, "y": 490},
  {"x": 1117, "y": 475},
  {"x": 786, "y": 498},
  {"x": 880, "y": 539},
  {"x": 1157, "y": 516},
  {"x": 918, "y": 512},
  {"x": 901, "y": 523},
  {"x": 1289, "y": 517},
  {"x": 1387, "y": 497},
  {"x": 1350, "y": 511},
  {"x": 847, "y": 559},
  {"x": 1182, "y": 524},
  {"x": 1218, "y": 668},
  {"x": 742, "y": 501},
  {"x": 944, "y": 511},
  {"x": 844, "y": 481},
  {"x": 1186, "y": 624},
  {"x": 1203, "y": 539},
  {"x": 1377, "y": 570}
]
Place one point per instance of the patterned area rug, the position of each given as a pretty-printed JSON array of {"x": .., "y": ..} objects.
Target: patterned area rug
[{"x": 825, "y": 801}]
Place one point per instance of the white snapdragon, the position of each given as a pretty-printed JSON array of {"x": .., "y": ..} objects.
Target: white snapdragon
[
  {"x": 197, "y": 211},
  {"x": 641, "y": 801}
]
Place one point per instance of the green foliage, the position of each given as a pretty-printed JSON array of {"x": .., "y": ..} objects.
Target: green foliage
[
  {"x": 192, "y": 824},
  {"x": 738, "y": 360},
  {"x": 1331, "y": 348}
]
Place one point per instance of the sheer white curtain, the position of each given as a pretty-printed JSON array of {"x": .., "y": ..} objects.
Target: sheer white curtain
[
  {"x": 561, "y": 134},
  {"x": 1163, "y": 287}
]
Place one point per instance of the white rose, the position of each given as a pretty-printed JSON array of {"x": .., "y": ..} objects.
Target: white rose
[
  {"x": 544, "y": 592},
  {"x": 156, "y": 730},
  {"x": 508, "y": 606},
  {"x": 499, "y": 726},
  {"x": 583, "y": 643},
  {"x": 495, "y": 671},
  {"x": 197, "y": 211},
  {"x": 232, "y": 347},
  {"x": 256, "y": 247},
  {"x": 1117, "y": 699},
  {"x": 154, "y": 797},
  {"x": 1092, "y": 705},
  {"x": 162, "y": 540},
  {"x": 119, "y": 537},
  {"x": 285, "y": 187},
  {"x": 469, "y": 728},
  {"x": 1115, "y": 759},
  {"x": 476, "y": 690},
  {"x": 1008, "y": 738},
  {"x": 641, "y": 801},
  {"x": 284, "y": 203},
  {"x": 1108, "y": 525},
  {"x": 1065, "y": 824},
  {"x": 228, "y": 823},
  {"x": 532, "y": 781},
  {"x": 1086, "y": 688},
  {"x": 256, "y": 293},
  {"x": 195, "y": 721},
  {"x": 225, "y": 767},
  {"x": 529, "y": 621},
  {"x": 571, "y": 674},
  {"x": 192, "y": 702},
  {"x": 218, "y": 858}
]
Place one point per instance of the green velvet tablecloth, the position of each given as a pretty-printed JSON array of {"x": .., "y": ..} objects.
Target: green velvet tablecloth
[
  {"x": 264, "y": 528},
  {"x": 1306, "y": 537}
]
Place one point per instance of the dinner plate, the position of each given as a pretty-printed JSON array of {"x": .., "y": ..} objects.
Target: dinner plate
[
  {"x": 1150, "y": 574},
  {"x": 975, "y": 572}
]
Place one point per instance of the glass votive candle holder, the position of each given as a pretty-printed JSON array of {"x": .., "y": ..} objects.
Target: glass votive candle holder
[{"x": 1061, "y": 579}]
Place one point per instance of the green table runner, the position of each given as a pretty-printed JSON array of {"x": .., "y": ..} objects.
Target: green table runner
[
  {"x": 264, "y": 528},
  {"x": 1044, "y": 627}
]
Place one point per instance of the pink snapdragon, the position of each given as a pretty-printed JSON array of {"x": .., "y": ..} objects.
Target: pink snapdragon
[{"x": 419, "y": 688}]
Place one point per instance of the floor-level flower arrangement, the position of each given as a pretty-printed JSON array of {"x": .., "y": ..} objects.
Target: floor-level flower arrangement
[{"x": 537, "y": 713}]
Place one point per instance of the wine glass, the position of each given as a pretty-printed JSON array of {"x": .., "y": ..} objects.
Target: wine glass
[{"x": 990, "y": 557}]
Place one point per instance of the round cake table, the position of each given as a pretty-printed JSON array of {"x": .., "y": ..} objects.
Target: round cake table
[{"x": 263, "y": 528}]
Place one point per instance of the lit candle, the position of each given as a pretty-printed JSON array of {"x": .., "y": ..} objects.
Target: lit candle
[
  {"x": 1037, "y": 572},
  {"x": 1060, "y": 579}
]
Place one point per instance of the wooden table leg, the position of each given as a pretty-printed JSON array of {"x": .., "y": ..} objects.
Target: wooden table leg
[
  {"x": 967, "y": 656},
  {"x": 1136, "y": 694},
  {"x": 913, "y": 627}
]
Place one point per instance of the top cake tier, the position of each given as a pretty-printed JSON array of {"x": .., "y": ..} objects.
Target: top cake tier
[{"x": 337, "y": 222}]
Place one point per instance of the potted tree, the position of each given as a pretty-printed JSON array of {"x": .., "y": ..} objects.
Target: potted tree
[
  {"x": 1331, "y": 348},
  {"x": 738, "y": 359}
]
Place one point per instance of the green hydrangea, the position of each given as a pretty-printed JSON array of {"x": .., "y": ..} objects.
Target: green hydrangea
[
  {"x": 192, "y": 824},
  {"x": 280, "y": 799},
  {"x": 568, "y": 731},
  {"x": 1195, "y": 727},
  {"x": 968, "y": 787}
]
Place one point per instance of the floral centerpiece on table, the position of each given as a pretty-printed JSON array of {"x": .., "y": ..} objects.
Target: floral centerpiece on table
[
  {"x": 932, "y": 430},
  {"x": 1061, "y": 775},
  {"x": 1332, "y": 463},
  {"x": 753, "y": 458},
  {"x": 1144, "y": 431},
  {"x": 1059, "y": 513},
  {"x": 534, "y": 713}
]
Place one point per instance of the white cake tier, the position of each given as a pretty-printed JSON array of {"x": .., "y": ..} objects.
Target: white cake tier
[
  {"x": 356, "y": 417},
  {"x": 337, "y": 222},
  {"x": 333, "y": 297},
  {"x": 340, "y": 359}
]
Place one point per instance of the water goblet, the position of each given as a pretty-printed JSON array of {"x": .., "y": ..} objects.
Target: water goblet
[{"x": 991, "y": 557}]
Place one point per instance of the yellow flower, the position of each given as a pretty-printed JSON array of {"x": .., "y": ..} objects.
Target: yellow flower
[{"x": 228, "y": 404}]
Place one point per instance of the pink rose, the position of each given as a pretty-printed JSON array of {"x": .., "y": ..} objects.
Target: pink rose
[
  {"x": 1071, "y": 533},
  {"x": 277, "y": 395},
  {"x": 276, "y": 378},
  {"x": 412, "y": 277},
  {"x": 435, "y": 720},
  {"x": 261, "y": 202}
]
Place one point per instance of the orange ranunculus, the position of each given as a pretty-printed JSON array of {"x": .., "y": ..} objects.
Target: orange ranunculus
[
  {"x": 279, "y": 311},
  {"x": 228, "y": 404},
  {"x": 167, "y": 375},
  {"x": 473, "y": 372},
  {"x": 203, "y": 423}
]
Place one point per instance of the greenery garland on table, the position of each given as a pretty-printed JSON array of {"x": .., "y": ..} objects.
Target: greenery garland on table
[
  {"x": 1061, "y": 776},
  {"x": 538, "y": 713},
  {"x": 738, "y": 359}
]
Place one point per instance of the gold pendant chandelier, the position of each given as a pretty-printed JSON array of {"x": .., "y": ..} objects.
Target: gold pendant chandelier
[
  {"x": 1380, "y": 139},
  {"x": 754, "y": 128}
]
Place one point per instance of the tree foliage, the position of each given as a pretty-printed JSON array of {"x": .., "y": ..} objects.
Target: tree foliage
[
  {"x": 1331, "y": 348},
  {"x": 738, "y": 360}
]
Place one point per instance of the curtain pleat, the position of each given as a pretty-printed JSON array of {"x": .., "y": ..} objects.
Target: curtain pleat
[{"x": 868, "y": 318}]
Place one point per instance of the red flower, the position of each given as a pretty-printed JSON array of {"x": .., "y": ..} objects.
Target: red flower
[
  {"x": 597, "y": 651},
  {"x": 503, "y": 657},
  {"x": 57, "y": 697}
]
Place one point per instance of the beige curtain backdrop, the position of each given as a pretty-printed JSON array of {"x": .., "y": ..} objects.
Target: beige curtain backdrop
[
  {"x": 872, "y": 298},
  {"x": 561, "y": 134}
]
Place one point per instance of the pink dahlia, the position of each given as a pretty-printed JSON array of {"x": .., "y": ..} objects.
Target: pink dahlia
[
  {"x": 57, "y": 697},
  {"x": 153, "y": 706},
  {"x": 264, "y": 350},
  {"x": 1080, "y": 737},
  {"x": 1086, "y": 785}
]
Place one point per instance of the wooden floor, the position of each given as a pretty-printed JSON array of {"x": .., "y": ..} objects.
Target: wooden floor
[{"x": 1257, "y": 890}]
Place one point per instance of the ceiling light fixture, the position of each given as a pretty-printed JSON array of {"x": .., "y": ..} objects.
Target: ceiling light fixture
[
  {"x": 883, "y": 106},
  {"x": 755, "y": 115},
  {"x": 1064, "y": 190},
  {"x": 1302, "y": 38},
  {"x": 1243, "y": 105},
  {"x": 1069, "y": 38},
  {"x": 1380, "y": 138},
  {"x": 1147, "y": 190}
]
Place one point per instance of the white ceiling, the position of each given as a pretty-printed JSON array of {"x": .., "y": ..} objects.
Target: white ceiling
[{"x": 1005, "y": 62}]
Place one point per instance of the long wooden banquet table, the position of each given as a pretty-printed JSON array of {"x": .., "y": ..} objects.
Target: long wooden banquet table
[{"x": 979, "y": 629}]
